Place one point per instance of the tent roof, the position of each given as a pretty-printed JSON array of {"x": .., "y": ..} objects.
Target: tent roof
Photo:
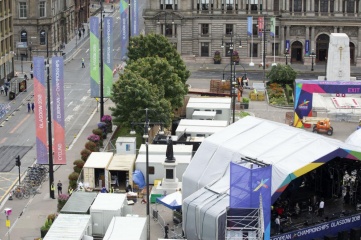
[
  {"x": 122, "y": 162},
  {"x": 292, "y": 152},
  {"x": 79, "y": 202},
  {"x": 354, "y": 138},
  {"x": 69, "y": 226},
  {"x": 98, "y": 160}
]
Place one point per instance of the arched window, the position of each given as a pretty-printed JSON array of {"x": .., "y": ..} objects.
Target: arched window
[
  {"x": 23, "y": 36},
  {"x": 42, "y": 37}
]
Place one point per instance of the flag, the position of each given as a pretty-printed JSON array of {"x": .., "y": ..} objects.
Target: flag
[
  {"x": 124, "y": 29},
  {"x": 249, "y": 26},
  {"x": 135, "y": 17},
  {"x": 260, "y": 25},
  {"x": 108, "y": 56},
  {"x": 273, "y": 27},
  {"x": 94, "y": 57}
]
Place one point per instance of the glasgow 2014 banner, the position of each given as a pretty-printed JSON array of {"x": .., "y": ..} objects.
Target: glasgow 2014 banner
[
  {"x": 124, "y": 29},
  {"x": 320, "y": 230},
  {"x": 108, "y": 56},
  {"x": 94, "y": 57},
  {"x": 40, "y": 110},
  {"x": 58, "y": 109},
  {"x": 135, "y": 18}
]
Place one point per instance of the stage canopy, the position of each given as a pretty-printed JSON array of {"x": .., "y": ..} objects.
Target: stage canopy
[{"x": 292, "y": 152}]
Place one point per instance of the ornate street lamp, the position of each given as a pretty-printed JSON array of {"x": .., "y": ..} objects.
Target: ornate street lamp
[
  {"x": 313, "y": 55},
  {"x": 287, "y": 55}
]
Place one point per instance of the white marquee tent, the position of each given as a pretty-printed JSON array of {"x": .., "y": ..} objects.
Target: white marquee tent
[{"x": 292, "y": 152}]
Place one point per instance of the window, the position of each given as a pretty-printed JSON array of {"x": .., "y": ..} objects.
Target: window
[
  {"x": 350, "y": 6},
  {"x": 169, "y": 4},
  {"x": 277, "y": 31},
  {"x": 151, "y": 170},
  {"x": 324, "y": 5},
  {"x": 42, "y": 9},
  {"x": 228, "y": 49},
  {"x": 298, "y": 5},
  {"x": 127, "y": 147},
  {"x": 24, "y": 36},
  {"x": 205, "y": 5},
  {"x": 253, "y": 50},
  {"x": 205, "y": 29},
  {"x": 229, "y": 29},
  {"x": 22, "y": 10},
  {"x": 205, "y": 49},
  {"x": 255, "y": 30},
  {"x": 218, "y": 111},
  {"x": 42, "y": 37}
]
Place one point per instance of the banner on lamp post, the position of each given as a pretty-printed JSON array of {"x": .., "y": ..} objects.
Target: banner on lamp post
[
  {"x": 249, "y": 26},
  {"x": 40, "y": 110},
  {"x": 57, "y": 85},
  {"x": 94, "y": 57},
  {"x": 135, "y": 18},
  {"x": 124, "y": 29},
  {"x": 307, "y": 48},
  {"x": 108, "y": 56},
  {"x": 273, "y": 27},
  {"x": 260, "y": 25}
]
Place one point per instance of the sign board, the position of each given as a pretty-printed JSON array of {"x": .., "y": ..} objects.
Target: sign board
[{"x": 21, "y": 45}]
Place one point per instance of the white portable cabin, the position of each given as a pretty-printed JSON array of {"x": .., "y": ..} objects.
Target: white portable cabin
[
  {"x": 127, "y": 228},
  {"x": 70, "y": 227},
  {"x": 105, "y": 207},
  {"x": 157, "y": 156},
  {"x": 204, "y": 115},
  {"x": 223, "y": 110},
  {"x": 126, "y": 145},
  {"x": 209, "y": 123},
  {"x": 197, "y": 131},
  {"x": 121, "y": 168},
  {"x": 95, "y": 172},
  {"x": 227, "y": 100}
]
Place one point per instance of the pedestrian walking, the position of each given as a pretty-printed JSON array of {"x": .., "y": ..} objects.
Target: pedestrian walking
[
  {"x": 60, "y": 188},
  {"x": 28, "y": 107},
  {"x": 6, "y": 90},
  {"x": 31, "y": 66},
  {"x": 2, "y": 89},
  {"x": 31, "y": 74},
  {"x": 70, "y": 191},
  {"x": 26, "y": 77},
  {"x": 166, "y": 230},
  {"x": 79, "y": 34},
  {"x": 52, "y": 188},
  {"x": 83, "y": 31},
  {"x": 321, "y": 208},
  {"x": 32, "y": 107},
  {"x": 278, "y": 224},
  {"x": 82, "y": 63}
]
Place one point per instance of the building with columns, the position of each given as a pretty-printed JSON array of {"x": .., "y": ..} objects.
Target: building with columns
[
  {"x": 35, "y": 20},
  {"x": 198, "y": 28}
]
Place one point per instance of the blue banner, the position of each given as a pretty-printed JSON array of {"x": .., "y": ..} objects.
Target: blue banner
[
  {"x": 249, "y": 26},
  {"x": 135, "y": 18},
  {"x": 94, "y": 57},
  {"x": 307, "y": 47},
  {"x": 248, "y": 186},
  {"x": 320, "y": 230},
  {"x": 288, "y": 45},
  {"x": 108, "y": 56},
  {"x": 124, "y": 29}
]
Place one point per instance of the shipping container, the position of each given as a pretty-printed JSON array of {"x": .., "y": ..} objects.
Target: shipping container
[
  {"x": 95, "y": 173},
  {"x": 127, "y": 228}
]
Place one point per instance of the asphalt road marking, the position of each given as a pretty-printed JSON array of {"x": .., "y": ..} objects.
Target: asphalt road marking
[
  {"x": 70, "y": 103},
  {"x": 3, "y": 140},
  {"x": 77, "y": 107},
  {"x": 69, "y": 118},
  {"x": 83, "y": 99},
  {"x": 20, "y": 123}
]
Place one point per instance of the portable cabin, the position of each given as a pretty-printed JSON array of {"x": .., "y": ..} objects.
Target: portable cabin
[
  {"x": 210, "y": 123},
  {"x": 79, "y": 203},
  {"x": 70, "y": 227},
  {"x": 204, "y": 115},
  {"x": 223, "y": 110},
  {"x": 121, "y": 168},
  {"x": 226, "y": 100},
  {"x": 127, "y": 228},
  {"x": 95, "y": 172},
  {"x": 105, "y": 207},
  {"x": 157, "y": 156},
  {"x": 197, "y": 131},
  {"x": 126, "y": 145}
]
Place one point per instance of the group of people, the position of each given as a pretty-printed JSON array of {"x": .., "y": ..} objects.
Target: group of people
[{"x": 4, "y": 90}]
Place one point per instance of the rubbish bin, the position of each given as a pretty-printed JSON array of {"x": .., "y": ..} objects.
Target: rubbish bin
[{"x": 11, "y": 95}]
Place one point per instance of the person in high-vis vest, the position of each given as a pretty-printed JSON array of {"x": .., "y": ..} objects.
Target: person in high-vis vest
[{"x": 70, "y": 191}]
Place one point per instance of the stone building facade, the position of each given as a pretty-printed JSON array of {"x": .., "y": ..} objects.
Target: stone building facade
[
  {"x": 6, "y": 41},
  {"x": 302, "y": 27},
  {"x": 37, "y": 20}
]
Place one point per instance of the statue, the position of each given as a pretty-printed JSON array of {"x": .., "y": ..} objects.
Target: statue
[{"x": 169, "y": 153}]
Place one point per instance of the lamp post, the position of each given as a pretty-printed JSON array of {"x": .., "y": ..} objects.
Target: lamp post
[
  {"x": 233, "y": 74},
  {"x": 146, "y": 125},
  {"x": 287, "y": 55},
  {"x": 313, "y": 55}
]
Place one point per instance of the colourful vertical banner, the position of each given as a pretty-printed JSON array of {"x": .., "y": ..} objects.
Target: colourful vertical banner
[
  {"x": 40, "y": 111},
  {"x": 307, "y": 47},
  {"x": 124, "y": 29},
  {"x": 249, "y": 26},
  {"x": 57, "y": 85},
  {"x": 108, "y": 56},
  {"x": 94, "y": 57},
  {"x": 273, "y": 27},
  {"x": 288, "y": 45},
  {"x": 260, "y": 25},
  {"x": 135, "y": 18}
]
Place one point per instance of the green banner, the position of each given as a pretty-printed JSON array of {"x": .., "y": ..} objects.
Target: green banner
[{"x": 94, "y": 57}]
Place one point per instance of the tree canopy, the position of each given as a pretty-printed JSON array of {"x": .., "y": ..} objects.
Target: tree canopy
[
  {"x": 152, "y": 45},
  {"x": 282, "y": 74},
  {"x": 132, "y": 94}
]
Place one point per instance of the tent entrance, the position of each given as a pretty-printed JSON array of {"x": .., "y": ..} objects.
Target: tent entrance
[{"x": 119, "y": 180}]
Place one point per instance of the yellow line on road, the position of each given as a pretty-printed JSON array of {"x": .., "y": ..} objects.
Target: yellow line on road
[{"x": 20, "y": 123}]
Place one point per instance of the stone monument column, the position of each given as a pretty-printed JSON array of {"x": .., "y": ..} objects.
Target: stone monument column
[{"x": 338, "y": 59}]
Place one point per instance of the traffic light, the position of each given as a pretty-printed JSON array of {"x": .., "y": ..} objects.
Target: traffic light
[{"x": 18, "y": 163}]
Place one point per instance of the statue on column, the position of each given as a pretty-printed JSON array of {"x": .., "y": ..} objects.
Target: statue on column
[{"x": 169, "y": 153}]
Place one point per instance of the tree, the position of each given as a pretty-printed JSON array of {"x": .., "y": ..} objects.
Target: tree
[
  {"x": 161, "y": 75},
  {"x": 132, "y": 94},
  {"x": 282, "y": 74},
  {"x": 152, "y": 45}
]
